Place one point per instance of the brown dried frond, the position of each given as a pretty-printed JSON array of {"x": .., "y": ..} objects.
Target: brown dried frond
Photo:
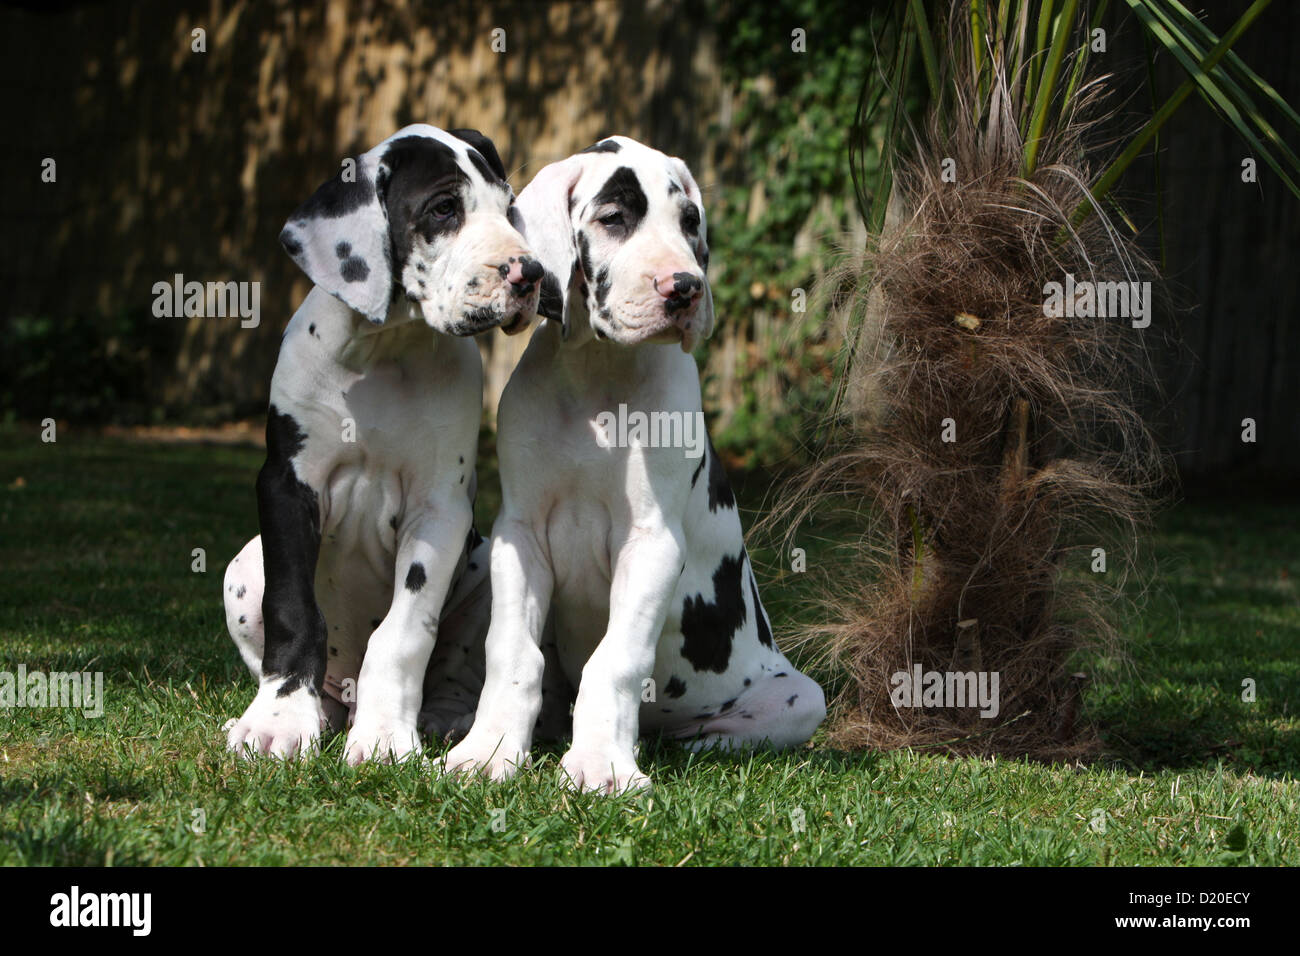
[{"x": 1052, "y": 456}]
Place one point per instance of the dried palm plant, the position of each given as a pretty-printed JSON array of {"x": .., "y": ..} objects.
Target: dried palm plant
[{"x": 995, "y": 444}]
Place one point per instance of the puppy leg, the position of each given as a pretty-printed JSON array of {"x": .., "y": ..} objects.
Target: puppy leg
[
  {"x": 606, "y": 716},
  {"x": 780, "y": 711},
  {"x": 502, "y": 734},
  {"x": 554, "y": 722},
  {"x": 242, "y": 592},
  {"x": 454, "y": 678},
  {"x": 286, "y": 718},
  {"x": 391, "y": 683}
]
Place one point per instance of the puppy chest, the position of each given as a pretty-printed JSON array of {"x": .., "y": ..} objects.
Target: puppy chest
[{"x": 362, "y": 509}]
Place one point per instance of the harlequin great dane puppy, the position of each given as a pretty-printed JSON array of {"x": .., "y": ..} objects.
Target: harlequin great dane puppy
[
  {"x": 637, "y": 551},
  {"x": 365, "y": 500}
]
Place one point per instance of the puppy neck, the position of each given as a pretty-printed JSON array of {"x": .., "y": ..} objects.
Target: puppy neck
[{"x": 403, "y": 329}]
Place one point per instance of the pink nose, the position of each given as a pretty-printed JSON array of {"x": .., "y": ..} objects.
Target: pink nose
[
  {"x": 522, "y": 274},
  {"x": 679, "y": 288}
]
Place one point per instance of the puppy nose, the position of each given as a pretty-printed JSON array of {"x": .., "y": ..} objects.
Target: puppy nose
[
  {"x": 522, "y": 274},
  {"x": 680, "y": 289},
  {"x": 532, "y": 269}
]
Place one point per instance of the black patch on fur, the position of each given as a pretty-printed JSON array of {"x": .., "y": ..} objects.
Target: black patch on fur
[
  {"x": 727, "y": 705},
  {"x": 690, "y": 220},
  {"x": 605, "y": 146},
  {"x": 421, "y": 168},
  {"x": 336, "y": 198},
  {"x": 550, "y": 305},
  {"x": 415, "y": 577},
  {"x": 708, "y": 629},
  {"x": 584, "y": 257},
  {"x": 790, "y": 702},
  {"x": 240, "y": 593},
  {"x": 483, "y": 168},
  {"x": 603, "y": 284},
  {"x": 764, "y": 632},
  {"x": 487, "y": 151},
  {"x": 675, "y": 687},
  {"x": 288, "y": 512},
  {"x": 720, "y": 494},
  {"x": 516, "y": 217},
  {"x": 354, "y": 269},
  {"x": 623, "y": 190},
  {"x": 290, "y": 242}
]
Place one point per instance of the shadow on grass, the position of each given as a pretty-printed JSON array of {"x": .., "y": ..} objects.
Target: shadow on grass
[
  {"x": 1214, "y": 658},
  {"x": 97, "y": 570}
]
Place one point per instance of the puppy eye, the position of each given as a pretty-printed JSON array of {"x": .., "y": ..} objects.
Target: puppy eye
[
  {"x": 613, "y": 220},
  {"x": 444, "y": 208}
]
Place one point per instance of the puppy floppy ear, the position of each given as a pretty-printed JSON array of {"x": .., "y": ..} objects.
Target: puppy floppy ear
[
  {"x": 701, "y": 247},
  {"x": 548, "y": 227},
  {"x": 486, "y": 148},
  {"x": 339, "y": 237}
]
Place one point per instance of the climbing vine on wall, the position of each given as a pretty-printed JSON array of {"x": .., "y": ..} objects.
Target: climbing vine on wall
[{"x": 794, "y": 69}]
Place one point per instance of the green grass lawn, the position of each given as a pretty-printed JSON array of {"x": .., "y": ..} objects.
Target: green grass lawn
[{"x": 96, "y": 541}]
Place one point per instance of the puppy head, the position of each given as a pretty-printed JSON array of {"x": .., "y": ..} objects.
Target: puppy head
[
  {"x": 426, "y": 215},
  {"x": 620, "y": 230}
]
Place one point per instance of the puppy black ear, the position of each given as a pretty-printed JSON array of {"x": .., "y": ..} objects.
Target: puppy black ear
[
  {"x": 339, "y": 237},
  {"x": 485, "y": 146}
]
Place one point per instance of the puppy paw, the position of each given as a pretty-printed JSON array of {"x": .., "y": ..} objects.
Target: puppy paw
[
  {"x": 387, "y": 741},
  {"x": 603, "y": 771},
  {"x": 282, "y": 727},
  {"x": 489, "y": 755}
]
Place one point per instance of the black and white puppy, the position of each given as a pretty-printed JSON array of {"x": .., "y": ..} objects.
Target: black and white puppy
[
  {"x": 635, "y": 546},
  {"x": 365, "y": 500}
]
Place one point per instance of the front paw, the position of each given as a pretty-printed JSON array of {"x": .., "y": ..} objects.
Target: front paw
[
  {"x": 388, "y": 741},
  {"x": 488, "y": 754},
  {"x": 282, "y": 727},
  {"x": 603, "y": 771}
]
